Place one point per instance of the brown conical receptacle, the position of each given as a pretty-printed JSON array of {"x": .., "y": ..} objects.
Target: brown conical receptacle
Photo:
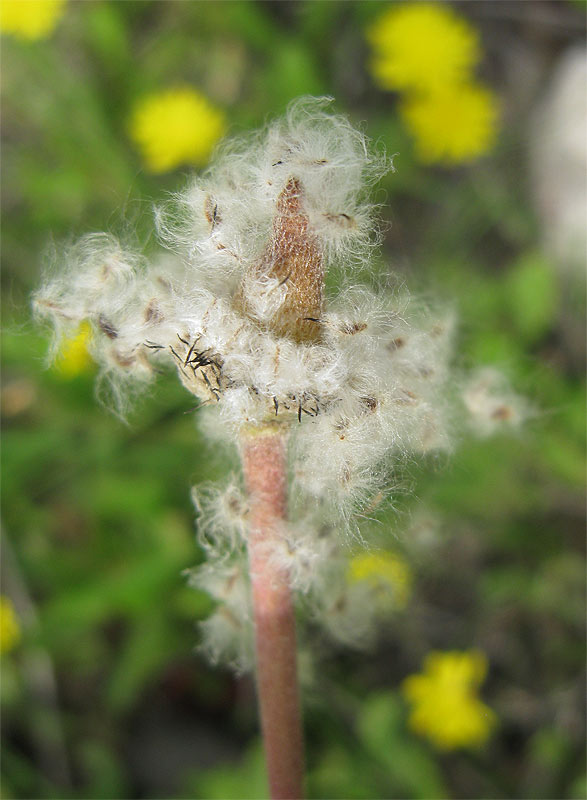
[{"x": 294, "y": 258}]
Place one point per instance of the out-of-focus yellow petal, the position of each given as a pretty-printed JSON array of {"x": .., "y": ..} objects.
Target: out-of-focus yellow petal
[
  {"x": 73, "y": 357},
  {"x": 177, "y": 126},
  {"x": 9, "y": 627},
  {"x": 453, "y": 126},
  {"x": 30, "y": 19},
  {"x": 382, "y": 572},
  {"x": 444, "y": 704},
  {"x": 422, "y": 47}
]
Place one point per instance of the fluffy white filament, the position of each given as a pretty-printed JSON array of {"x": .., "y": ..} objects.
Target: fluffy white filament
[{"x": 368, "y": 389}]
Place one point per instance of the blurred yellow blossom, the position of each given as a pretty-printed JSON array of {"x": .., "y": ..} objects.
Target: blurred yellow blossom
[
  {"x": 444, "y": 700},
  {"x": 421, "y": 46},
  {"x": 177, "y": 126},
  {"x": 9, "y": 627},
  {"x": 30, "y": 19},
  {"x": 452, "y": 126},
  {"x": 386, "y": 574},
  {"x": 73, "y": 357},
  {"x": 428, "y": 52}
]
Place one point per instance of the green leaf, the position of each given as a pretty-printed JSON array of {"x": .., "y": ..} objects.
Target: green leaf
[
  {"x": 126, "y": 589},
  {"x": 107, "y": 34},
  {"x": 103, "y": 771},
  {"x": 565, "y": 457},
  {"x": 149, "y": 646},
  {"x": 292, "y": 73},
  {"x": 579, "y": 786},
  {"x": 382, "y": 731},
  {"x": 247, "y": 781},
  {"x": 343, "y": 773},
  {"x": 531, "y": 295}
]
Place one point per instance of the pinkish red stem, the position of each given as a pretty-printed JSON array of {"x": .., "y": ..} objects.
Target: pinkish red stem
[{"x": 265, "y": 470}]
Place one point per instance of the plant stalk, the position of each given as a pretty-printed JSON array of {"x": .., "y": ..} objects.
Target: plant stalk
[{"x": 265, "y": 471}]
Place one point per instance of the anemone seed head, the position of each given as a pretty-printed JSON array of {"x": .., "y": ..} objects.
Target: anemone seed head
[{"x": 356, "y": 379}]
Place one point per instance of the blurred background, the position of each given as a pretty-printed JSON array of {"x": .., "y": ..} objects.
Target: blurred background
[{"x": 106, "y": 108}]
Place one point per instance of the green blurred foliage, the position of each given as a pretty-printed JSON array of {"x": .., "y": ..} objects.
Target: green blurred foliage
[{"x": 105, "y": 697}]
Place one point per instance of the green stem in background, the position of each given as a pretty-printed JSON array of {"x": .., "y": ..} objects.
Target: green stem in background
[{"x": 265, "y": 470}]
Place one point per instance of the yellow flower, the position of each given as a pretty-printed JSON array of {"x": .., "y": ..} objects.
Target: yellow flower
[
  {"x": 9, "y": 627},
  {"x": 30, "y": 19},
  {"x": 422, "y": 46},
  {"x": 73, "y": 357},
  {"x": 386, "y": 574},
  {"x": 445, "y": 705},
  {"x": 453, "y": 126},
  {"x": 177, "y": 126}
]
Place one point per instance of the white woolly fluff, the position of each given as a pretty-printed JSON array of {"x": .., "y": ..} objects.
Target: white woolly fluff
[
  {"x": 369, "y": 390},
  {"x": 304, "y": 549},
  {"x": 227, "y": 635},
  {"x": 218, "y": 228},
  {"x": 227, "y": 640},
  {"x": 491, "y": 403},
  {"x": 222, "y": 518},
  {"x": 350, "y": 611},
  {"x": 390, "y": 405},
  {"x": 221, "y": 223}
]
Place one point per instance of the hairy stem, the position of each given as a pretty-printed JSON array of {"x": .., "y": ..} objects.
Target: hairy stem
[{"x": 265, "y": 469}]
